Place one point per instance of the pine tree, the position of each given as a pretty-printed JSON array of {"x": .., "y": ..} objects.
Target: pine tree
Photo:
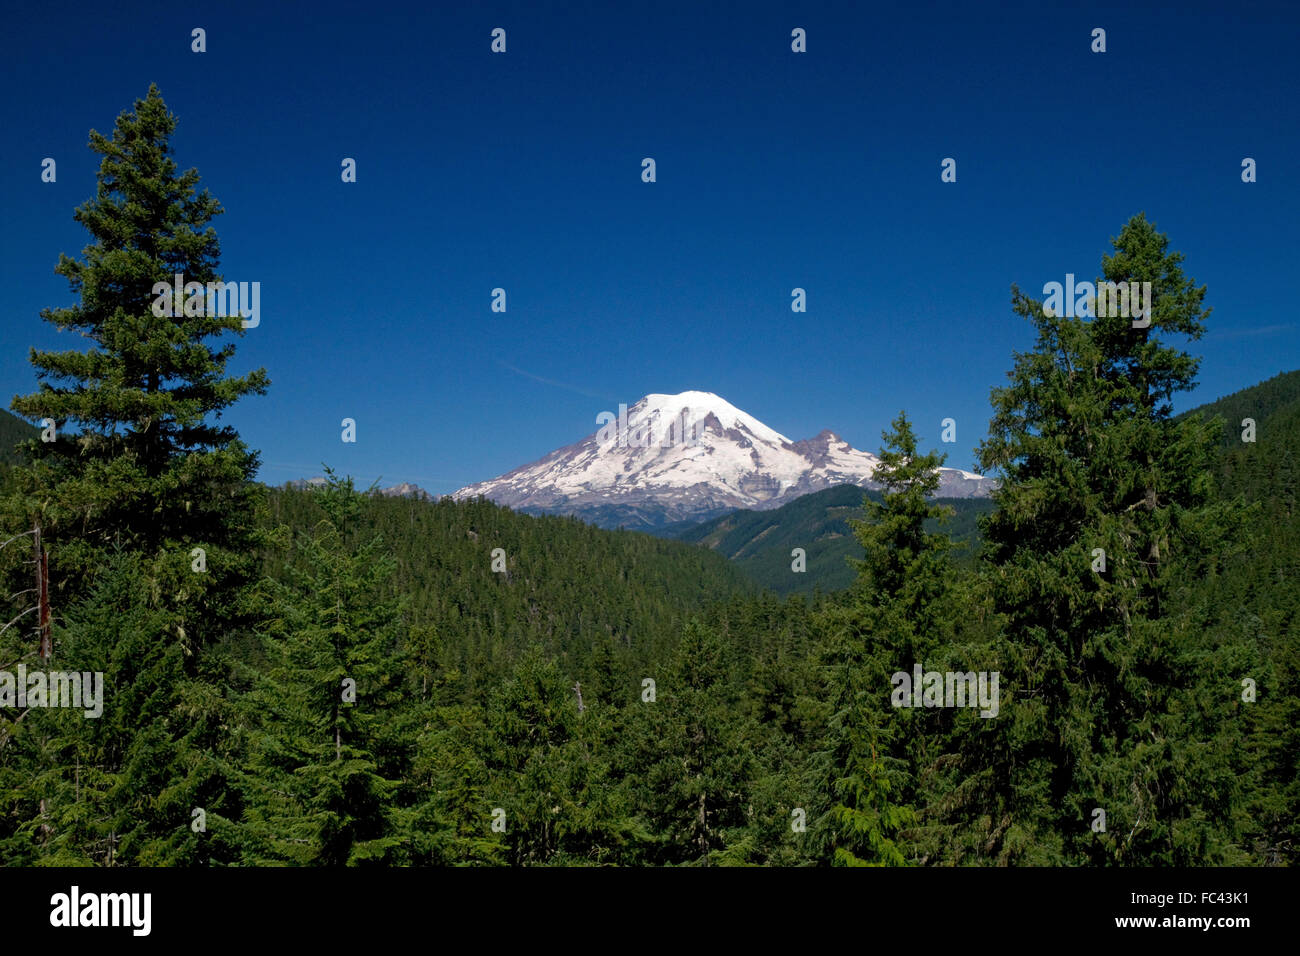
[
  {"x": 122, "y": 504},
  {"x": 316, "y": 784},
  {"x": 892, "y": 620},
  {"x": 1105, "y": 517},
  {"x": 448, "y": 825},
  {"x": 552, "y": 772},
  {"x": 149, "y": 469},
  {"x": 691, "y": 765},
  {"x": 906, "y": 567}
]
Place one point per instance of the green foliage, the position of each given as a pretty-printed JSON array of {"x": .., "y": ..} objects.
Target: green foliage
[
  {"x": 316, "y": 712},
  {"x": 605, "y": 604},
  {"x": 121, "y": 505},
  {"x": 892, "y": 619},
  {"x": 13, "y": 433},
  {"x": 691, "y": 754},
  {"x": 1115, "y": 668},
  {"x": 148, "y": 470},
  {"x": 118, "y": 788},
  {"x": 761, "y": 542}
]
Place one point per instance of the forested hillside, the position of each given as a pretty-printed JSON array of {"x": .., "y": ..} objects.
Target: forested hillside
[
  {"x": 590, "y": 598},
  {"x": 13, "y": 431},
  {"x": 1270, "y": 398},
  {"x": 761, "y": 542},
  {"x": 1258, "y": 592},
  {"x": 1265, "y": 471}
]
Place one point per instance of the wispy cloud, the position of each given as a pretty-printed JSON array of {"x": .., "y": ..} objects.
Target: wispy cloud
[
  {"x": 1245, "y": 333},
  {"x": 551, "y": 381}
]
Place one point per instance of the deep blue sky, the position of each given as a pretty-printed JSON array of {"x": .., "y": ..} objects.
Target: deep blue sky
[{"x": 775, "y": 170}]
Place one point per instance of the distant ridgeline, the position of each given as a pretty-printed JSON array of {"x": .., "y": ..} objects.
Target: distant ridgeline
[
  {"x": 12, "y": 431},
  {"x": 1265, "y": 580},
  {"x": 761, "y": 542},
  {"x": 1275, "y": 400}
]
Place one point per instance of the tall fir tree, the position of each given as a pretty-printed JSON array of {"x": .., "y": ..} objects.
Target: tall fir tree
[
  {"x": 892, "y": 620},
  {"x": 319, "y": 714},
  {"x": 906, "y": 567},
  {"x": 150, "y": 469},
  {"x": 1106, "y": 516},
  {"x": 693, "y": 767},
  {"x": 139, "y": 477}
]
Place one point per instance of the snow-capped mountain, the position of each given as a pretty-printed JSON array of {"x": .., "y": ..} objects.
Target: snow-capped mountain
[
  {"x": 405, "y": 490},
  {"x": 687, "y": 457}
]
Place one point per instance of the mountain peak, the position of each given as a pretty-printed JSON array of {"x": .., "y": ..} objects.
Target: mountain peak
[
  {"x": 687, "y": 456},
  {"x": 405, "y": 490},
  {"x": 693, "y": 408}
]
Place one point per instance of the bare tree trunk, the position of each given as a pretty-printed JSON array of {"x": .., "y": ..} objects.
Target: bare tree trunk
[{"x": 704, "y": 833}]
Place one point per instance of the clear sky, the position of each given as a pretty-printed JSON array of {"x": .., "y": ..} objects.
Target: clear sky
[{"x": 775, "y": 170}]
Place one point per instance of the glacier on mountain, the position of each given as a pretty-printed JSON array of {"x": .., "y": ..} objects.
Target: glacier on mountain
[{"x": 688, "y": 457}]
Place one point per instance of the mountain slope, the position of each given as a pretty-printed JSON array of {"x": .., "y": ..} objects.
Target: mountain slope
[
  {"x": 580, "y": 593},
  {"x": 1272, "y": 397},
  {"x": 760, "y": 542},
  {"x": 1266, "y": 471},
  {"x": 13, "y": 430},
  {"x": 687, "y": 457}
]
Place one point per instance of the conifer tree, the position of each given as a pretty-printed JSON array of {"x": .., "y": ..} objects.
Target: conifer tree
[
  {"x": 139, "y": 476},
  {"x": 890, "y": 622},
  {"x": 552, "y": 774},
  {"x": 1105, "y": 516},
  {"x": 149, "y": 468},
  {"x": 906, "y": 566},
  {"x": 451, "y": 778},
  {"x": 693, "y": 764},
  {"x": 316, "y": 784}
]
